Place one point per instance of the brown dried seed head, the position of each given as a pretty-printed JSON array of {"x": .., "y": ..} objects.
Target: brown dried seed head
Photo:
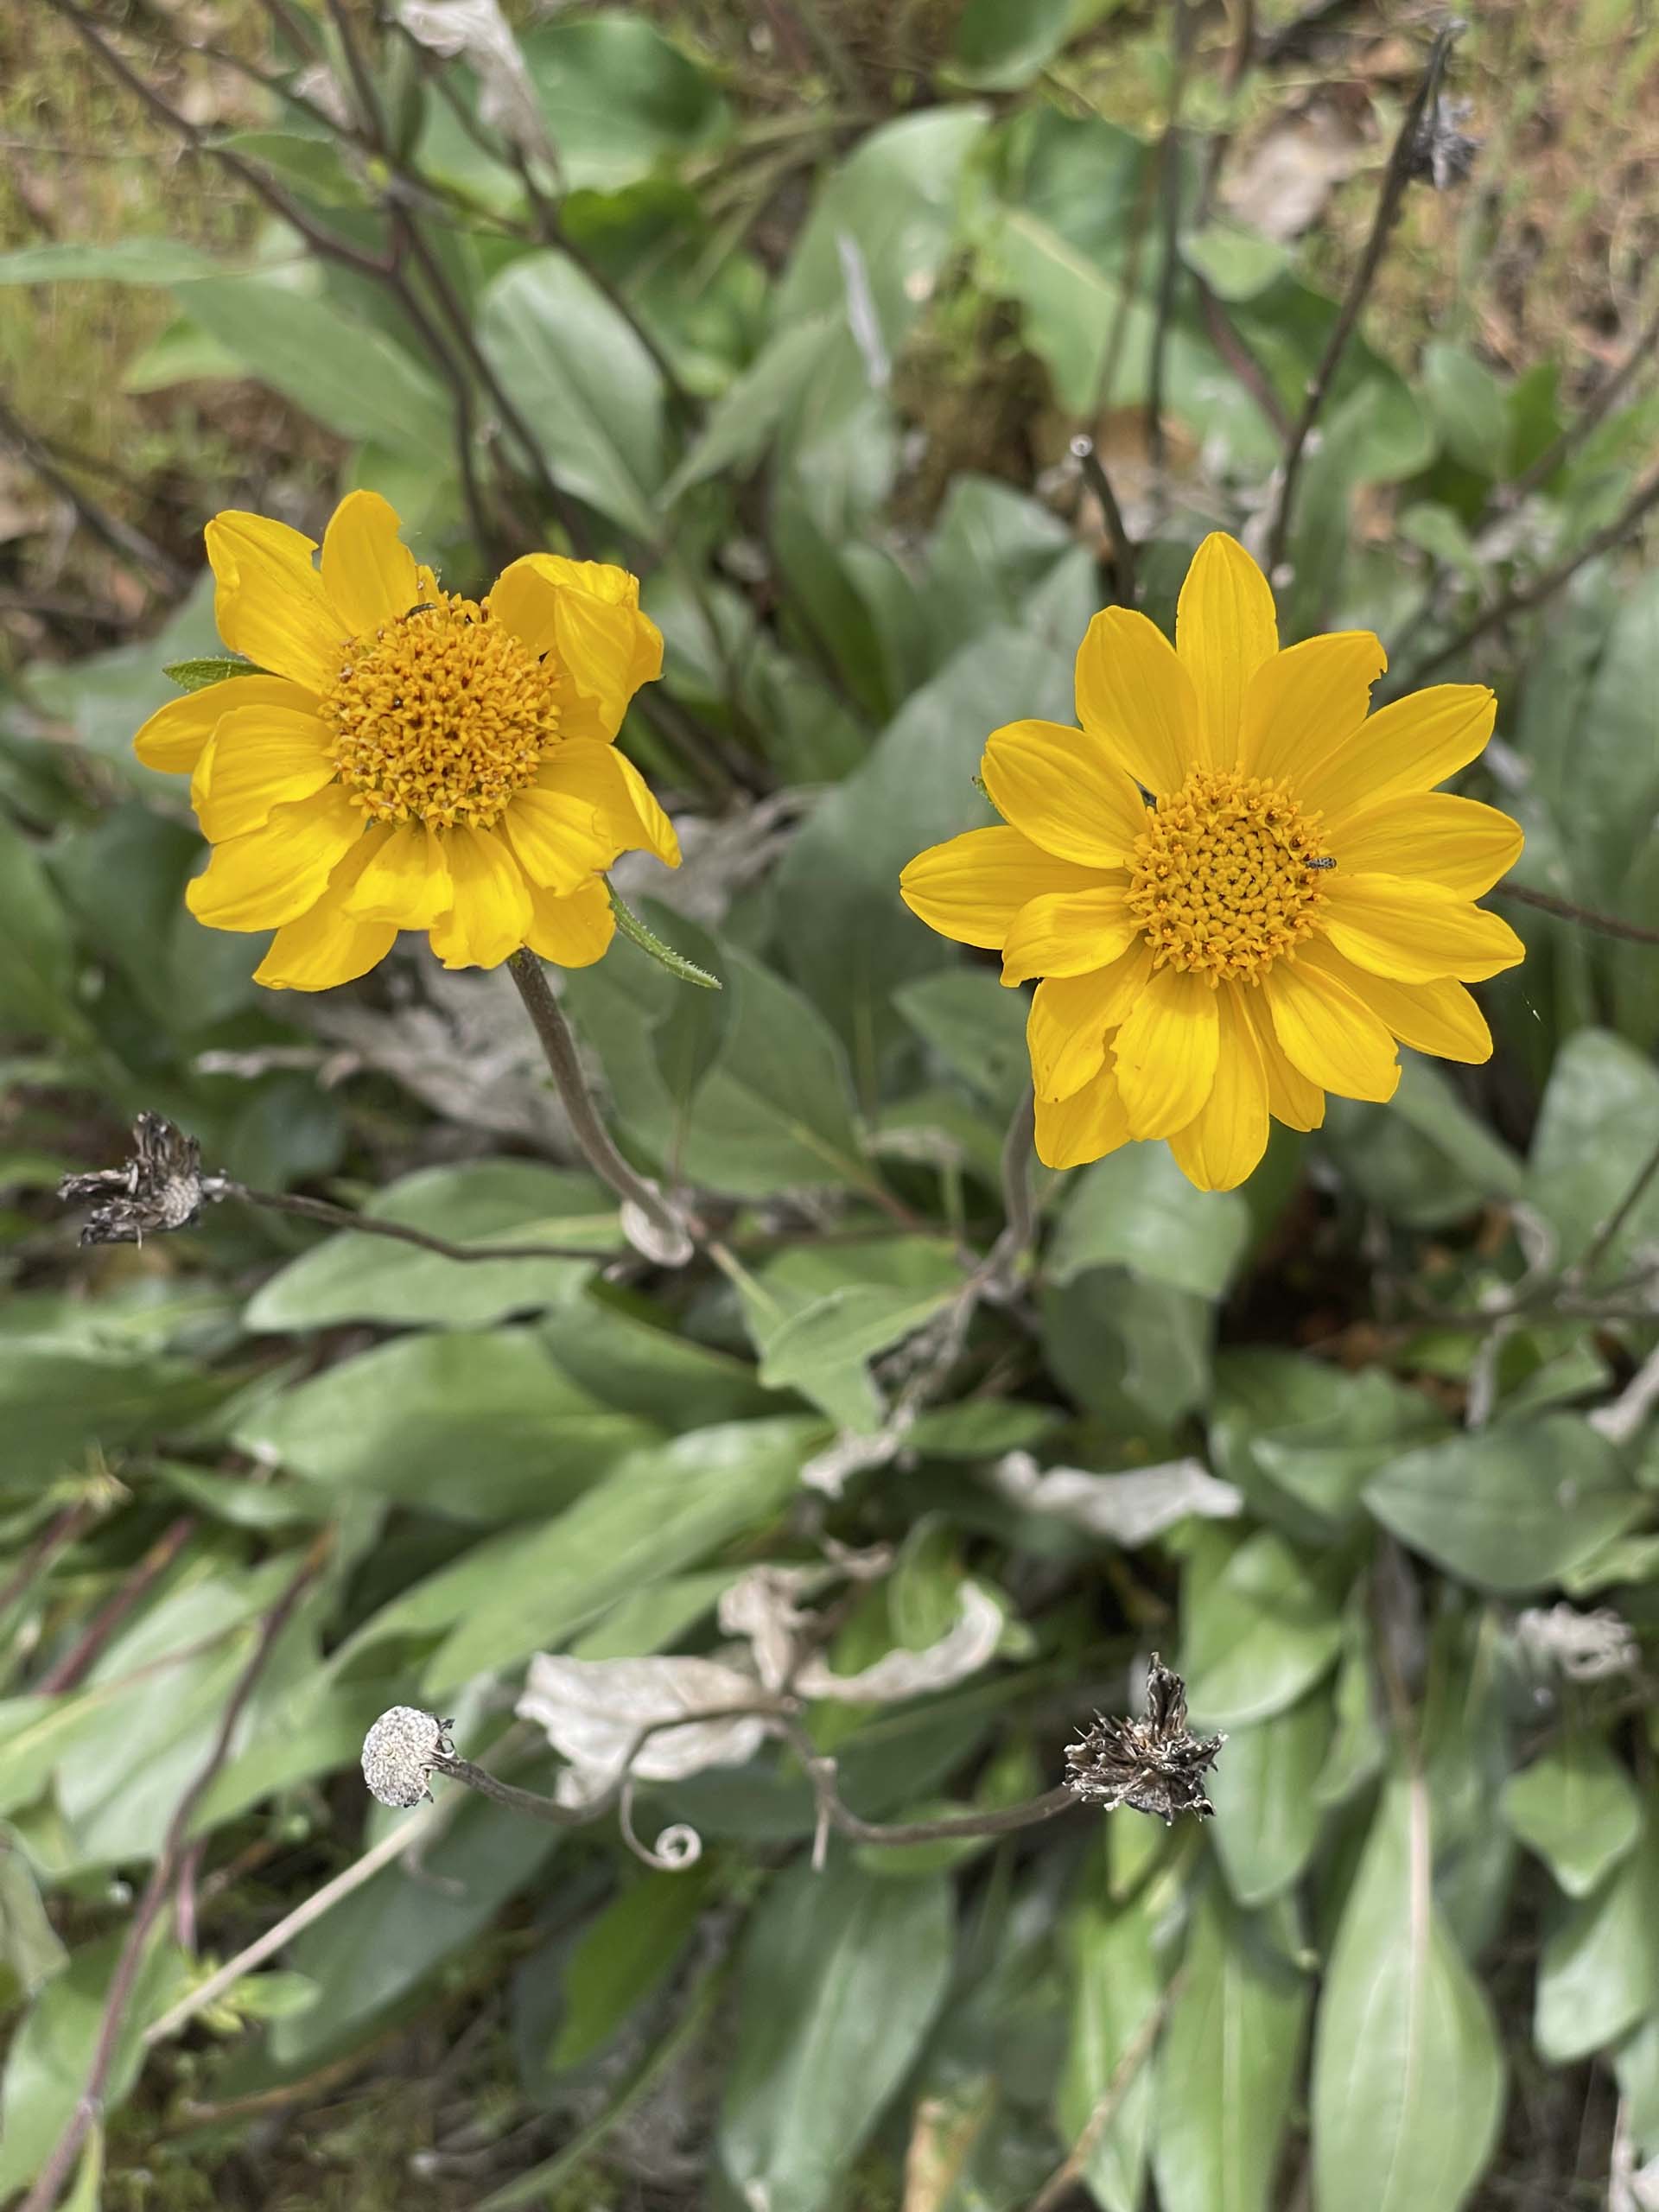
[{"x": 1153, "y": 1764}]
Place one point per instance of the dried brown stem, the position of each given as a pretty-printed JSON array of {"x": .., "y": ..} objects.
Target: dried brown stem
[
  {"x": 1522, "y": 602},
  {"x": 1395, "y": 178},
  {"x": 71, "y": 1670},
  {"x": 1119, "y": 2083},
  {"x": 60, "y": 1532},
  {"x": 121, "y": 539},
  {"x": 1169, "y": 268},
  {"x": 368, "y": 1224},
  {"x": 1587, "y": 917},
  {"x": 60, "y": 2164},
  {"x": 559, "y": 1048},
  {"x": 1087, "y": 456}
]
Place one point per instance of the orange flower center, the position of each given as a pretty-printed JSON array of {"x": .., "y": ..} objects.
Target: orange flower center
[
  {"x": 440, "y": 716},
  {"x": 1226, "y": 875}
]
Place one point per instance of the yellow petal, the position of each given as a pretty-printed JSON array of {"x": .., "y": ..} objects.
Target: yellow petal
[
  {"x": 1134, "y": 696},
  {"x": 1062, "y": 789},
  {"x": 572, "y": 933},
  {"x": 1166, "y": 1053},
  {"x": 1227, "y": 1137},
  {"x": 1071, "y": 1015},
  {"x": 1328, "y": 1033},
  {"x": 558, "y": 839},
  {"x": 607, "y": 780},
  {"x": 971, "y": 888},
  {"x": 1301, "y": 705},
  {"x": 1071, "y": 1132},
  {"x": 1456, "y": 843},
  {"x": 271, "y": 603},
  {"x": 173, "y": 738},
  {"x": 261, "y": 758},
  {"x": 1067, "y": 932},
  {"x": 1409, "y": 746},
  {"x": 328, "y": 945},
  {"x": 277, "y": 873},
  {"x": 368, "y": 570},
  {"x": 1438, "y": 1017},
  {"x": 490, "y": 916},
  {"x": 1292, "y": 1098},
  {"x": 1415, "y": 931},
  {"x": 1225, "y": 628},
  {"x": 586, "y": 614},
  {"x": 405, "y": 879}
]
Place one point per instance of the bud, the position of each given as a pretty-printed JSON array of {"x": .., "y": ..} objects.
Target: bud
[
  {"x": 1152, "y": 1766},
  {"x": 399, "y": 1752}
]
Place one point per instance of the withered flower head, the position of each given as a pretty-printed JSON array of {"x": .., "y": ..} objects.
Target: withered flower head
[
  {"x": 1442, "y": 153},
  {"x": 159, "y": 1188},
  {"x": 398, "y": 1752},
  {"x": 1153, "y": 1764}
]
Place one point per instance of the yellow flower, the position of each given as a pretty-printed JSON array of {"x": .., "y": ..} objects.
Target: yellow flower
[
  {"x": 411, "y": 759},
  {"x": 1238, "y": 890}
]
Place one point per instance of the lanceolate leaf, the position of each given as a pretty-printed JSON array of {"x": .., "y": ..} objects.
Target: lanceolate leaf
[{"x": 1407, "y": 2076}]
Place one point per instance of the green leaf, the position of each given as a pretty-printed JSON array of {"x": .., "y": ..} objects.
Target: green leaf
[
  {"x": 1002, "y": 44},
  {"x": 476, "y": 1427},
  {"x": 394, "y": 1933},
  {"x": 1407, "y": 2085},
  {"x": 1227, "y": 2064},
  {"x": 121, "y": 261},
  {"x": 30, "y": 1952},
  {"x": 103, "y": 698},
  {"x": 39, "y": 977},
  {"x": 841, "y": 1976},
  {"x": 622, "y": 1955},
  {"x": 1129, "y": 1351},
  {"x": 842, "y": 930},
  {"x": 1301, "y": 1437},
  {"x": 212, "y": 668},
  {"x": 1235, "y": 263},
  {"x": 1423, "y": 1159},
  {"x": 1137, "y": 1210},
  {"x": 1578, "y": 1808},
  {"x": 1595, "y": 1133},
  {"x": 621, "y": 103},
  {"x": 1264, "y": 1790},
  {"x": 664, "y": 954},
  {"x": 895, "y": 199},
  {"x": 744, "y": 420},
  {"x": 51, "y": 2051},
  {"x": 977, "y": 1029},
  {"x": 335, "y": 365},
  {"x": 659, "y": 1512},
  {"x": 814, "y": 1350},
  {"x": 1465, "y": 404},
  {"x": 1116, "y": 1984},
  {"x": 1598, "y": 1974},
  {"x": 643, "y": 1366},
  {"x": 1262, "y": 1625},
  {"x": 354, "y": 1276},
  {"x": 1511, "y": 1508},
  {"x": 59, "y": 1397},
  {"x": 591, "y": 393}
]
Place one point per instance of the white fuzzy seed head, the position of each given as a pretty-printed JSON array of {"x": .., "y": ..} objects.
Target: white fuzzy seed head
[{"x": 397, "y": 1754}]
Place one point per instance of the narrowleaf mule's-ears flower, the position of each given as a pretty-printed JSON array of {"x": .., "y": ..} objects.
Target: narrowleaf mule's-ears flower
[
  {"x": 1237, "y": 890},
  {"x": 399, "y": 758}
]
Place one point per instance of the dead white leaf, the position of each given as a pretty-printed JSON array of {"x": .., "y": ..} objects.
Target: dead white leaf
[
  {"x": 1130, "y": 1509},
  {"x": 478, "y": 30},
  {"x": 968, "y": 1647},
  {"x": 593, "y": 1710},
  {"x": 1586, "y": 1647},
  {"x": 763, "y": 1605},
  {"x": 1281, "y": 184}
]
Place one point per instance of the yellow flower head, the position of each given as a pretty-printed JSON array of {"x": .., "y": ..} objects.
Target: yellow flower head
[
  {"x": 409, "y": 759},
  {"x": 1239, "y": 891}
]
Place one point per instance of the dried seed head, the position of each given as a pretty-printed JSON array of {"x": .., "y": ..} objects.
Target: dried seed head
[
  {"x": 159, "y": 1188},
  {"x": 1442, "y": 153},
  {"x": 398, "y": 1752},
  {"x": 1152, "y": 1766}
]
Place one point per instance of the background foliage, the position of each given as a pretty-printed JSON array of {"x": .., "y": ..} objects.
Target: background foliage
[{"x": 795, "y": 310}]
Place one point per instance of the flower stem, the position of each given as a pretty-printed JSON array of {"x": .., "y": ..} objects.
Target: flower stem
[{"x": 649, "y": 1221}]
